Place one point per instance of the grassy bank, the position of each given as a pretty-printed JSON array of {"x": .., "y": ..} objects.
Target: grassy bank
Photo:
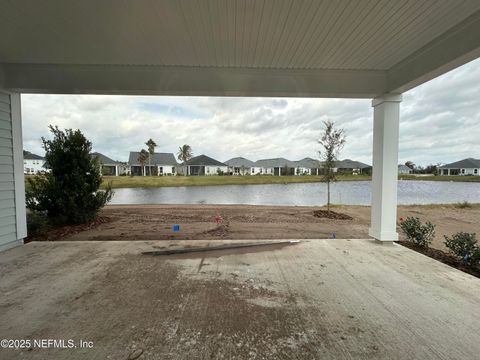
[
  {"x": 440, "y": 178},
  {"x": 164, "y": 181}
]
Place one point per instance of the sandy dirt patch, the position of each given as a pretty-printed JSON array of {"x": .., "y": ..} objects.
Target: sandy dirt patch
[{"x": 197, "y": 222}]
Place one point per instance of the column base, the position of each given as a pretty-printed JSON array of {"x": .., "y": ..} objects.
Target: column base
[{"x": 385, "y": 236}]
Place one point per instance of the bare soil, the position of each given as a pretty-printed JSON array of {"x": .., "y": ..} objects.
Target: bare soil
[
  {"x": 240, "y": 222},
  {"x": 444, "y": 257}
]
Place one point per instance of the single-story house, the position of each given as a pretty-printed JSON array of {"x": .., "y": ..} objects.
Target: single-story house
[
  {"x": 108, "y": 166},
  {"x": 352, "y": 167},
  {"x": 308, "y": 166},
  {"x": 404, "y": 170},
  {"x": 469, "y": 166},
  {"x": 32, "y": 163},
  {"x": 203, "y": 165},
  {"x": 276, "y": 166},
  {"x": 240, "y": 166},
  {"x": 160, "y": 164}
]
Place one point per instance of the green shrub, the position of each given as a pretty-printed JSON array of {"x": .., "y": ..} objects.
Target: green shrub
[
  {"x": 37, "y": 224},
  {"x": 463, "y": 205},
  {"x": 69, "y": 192},
  {"x": 416, "y": 232},
  {"x": 465, "y": 246}
]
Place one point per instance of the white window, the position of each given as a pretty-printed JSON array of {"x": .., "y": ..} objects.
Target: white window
[
  {"x": 463, "y": 171},
  {"x": 475, "y": 171}
]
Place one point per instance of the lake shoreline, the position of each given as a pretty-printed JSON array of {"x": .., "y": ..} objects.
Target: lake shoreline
[
  {"x": 118, "y": 182},
  {"x": 308, "y": 194}
]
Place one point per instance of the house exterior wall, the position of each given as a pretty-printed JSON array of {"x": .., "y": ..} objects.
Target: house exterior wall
[
  {"x": 256, "y": 170},
  {"x": 462, "y": 171},
  {"x": 303, "y": 171},
  {"x": 166, "y": 170},
  {"x": 13, "y": 226},
  {"x": 33, "y": 166},
  {"x": 213, "y": 170}
]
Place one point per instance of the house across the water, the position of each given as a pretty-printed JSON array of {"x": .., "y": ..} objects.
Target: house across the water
[
  {"x": 276, "y": 166},
  {"x": 348, "y": 166},
  {"x": 32, "y": 163},
  {"x": 108, "y": 166},
  {"x": 240, "y": 166},
  {"x": 404, "y": 170},
  {"x": 203, "y": 165},
  {"x": 159, "y": 164},
  {"x": 469, "y": 166},
  {"x": 308, "y": 166}
]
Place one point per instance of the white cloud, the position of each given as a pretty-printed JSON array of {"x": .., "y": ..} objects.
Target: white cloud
[{"x": 440, "y": 122}]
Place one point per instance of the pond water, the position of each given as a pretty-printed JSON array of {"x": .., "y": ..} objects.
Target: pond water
[{"x": 309, "y": 194}]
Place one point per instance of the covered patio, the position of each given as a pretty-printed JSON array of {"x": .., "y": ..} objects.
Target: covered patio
[
  {"x": 319, "y": 299},
  {"x": 328, "y": 299}
]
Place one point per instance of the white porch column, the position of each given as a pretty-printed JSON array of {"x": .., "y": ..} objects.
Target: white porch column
[{"x": 386, "y": 116}]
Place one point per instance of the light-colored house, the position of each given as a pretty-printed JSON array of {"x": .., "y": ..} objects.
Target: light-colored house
[
  {"x": 469, "y": 166},
  {"x": 160, "y": 164},
  {"x": 108, "y": 166},
  {"x": 404, "y": 170},
  {"x": 240, "y": 166},
  {"x": 203, "y": 165},
  {"x": 276, "y": 166},
  {"x": 32, "y": 163},
  {"x": 308, "y": 166},
  {"x": 348, "y": 166}
]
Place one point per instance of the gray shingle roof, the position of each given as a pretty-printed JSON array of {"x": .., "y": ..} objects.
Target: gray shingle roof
[
  {"x": 104, "y": 160},
  {"x": 157, "y": 159},
  {"x": 309, "y": 163},
  {"x": 351, "y": 164},
  {"x": 204, "y": 160},
  {"x": 276, "y": 162},
  {"x": 469, "y": 163},
  {"x": 27, "y": 155},
  {"x": 404, "y": 167},
  {"x": 239, "y": 162}
]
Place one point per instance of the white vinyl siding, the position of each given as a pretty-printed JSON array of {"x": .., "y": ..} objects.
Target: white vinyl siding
[
  {"x": 12, "y": 196},
  {"x": 8, "y": 231}
]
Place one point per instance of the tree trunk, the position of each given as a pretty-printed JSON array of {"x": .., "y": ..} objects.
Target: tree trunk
[{"x": 328, "y": 197}]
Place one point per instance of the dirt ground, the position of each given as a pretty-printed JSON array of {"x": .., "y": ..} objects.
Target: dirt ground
[{"x": 197, "y": 222}]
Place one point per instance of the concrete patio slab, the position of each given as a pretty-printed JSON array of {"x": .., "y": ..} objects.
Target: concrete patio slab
[{"x": 320, "y": 299}]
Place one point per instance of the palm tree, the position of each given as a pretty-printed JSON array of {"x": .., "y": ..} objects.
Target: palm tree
[
  {"x": 143, "y": 156},
  {"x": 151, "y": 150},
  {"x": 184, "y": 153}
]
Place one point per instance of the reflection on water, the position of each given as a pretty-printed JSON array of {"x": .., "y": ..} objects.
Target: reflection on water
[{"x": 346, "y": 192}]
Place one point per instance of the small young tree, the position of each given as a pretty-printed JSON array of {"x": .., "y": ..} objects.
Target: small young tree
[
  {"x": 69, "y": 192},
  {"x": 331, "y": 142},
  {"x": 143, "y": 156},
  {"x": 151, "y": 150}
]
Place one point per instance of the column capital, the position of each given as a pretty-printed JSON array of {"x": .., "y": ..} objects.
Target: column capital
[{"x": 392, "y": 98}]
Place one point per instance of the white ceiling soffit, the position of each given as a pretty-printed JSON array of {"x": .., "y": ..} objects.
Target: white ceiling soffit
[{"x": 346, "y": 48}]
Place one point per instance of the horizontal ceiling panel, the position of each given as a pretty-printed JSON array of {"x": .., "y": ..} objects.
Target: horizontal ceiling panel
[{"x": 282, "y": 34}]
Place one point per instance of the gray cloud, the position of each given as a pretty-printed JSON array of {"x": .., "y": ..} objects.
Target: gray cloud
[{"x": 440, "y": 122}]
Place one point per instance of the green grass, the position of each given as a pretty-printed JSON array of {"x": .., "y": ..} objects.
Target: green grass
[
  {"x": 440, "y": 178},
  {"x": 165, "y": 181},
  {"x": 168, "y": 181}
]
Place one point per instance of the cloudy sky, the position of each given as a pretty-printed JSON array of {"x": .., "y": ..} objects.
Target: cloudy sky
[{"x": 440, "y": 122}]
